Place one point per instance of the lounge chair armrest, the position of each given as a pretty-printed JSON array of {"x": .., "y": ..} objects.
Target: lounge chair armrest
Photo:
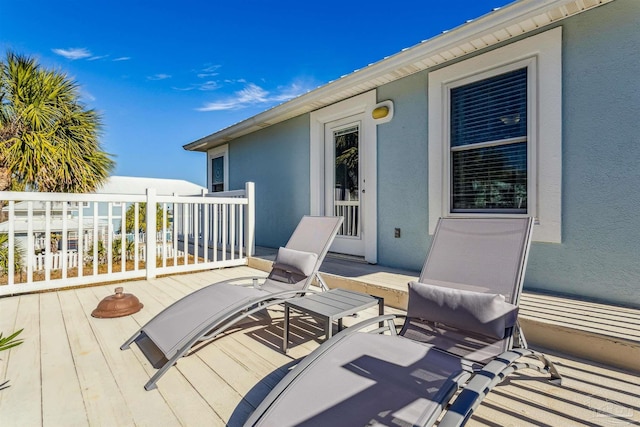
[
  {"x": 487, "y": 378},
  {"x": 244, "y": 281}
]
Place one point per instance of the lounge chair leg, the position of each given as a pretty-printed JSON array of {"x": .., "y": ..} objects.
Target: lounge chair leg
[
  {"x": 128, "y": 342},
  {"x": 556, "y": 378}
]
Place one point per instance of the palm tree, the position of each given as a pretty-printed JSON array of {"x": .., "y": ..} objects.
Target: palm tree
[
  {"x": 4, "y": 255},
  {"x": 49, "y": 141}
]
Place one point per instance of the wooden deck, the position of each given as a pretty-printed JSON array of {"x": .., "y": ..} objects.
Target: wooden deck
[{"x": 70, "y": 371}]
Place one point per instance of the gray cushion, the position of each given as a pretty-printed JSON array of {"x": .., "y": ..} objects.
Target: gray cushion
[
  {"x": 296, "y": 261},
  {"x": 482, "y": 313}
]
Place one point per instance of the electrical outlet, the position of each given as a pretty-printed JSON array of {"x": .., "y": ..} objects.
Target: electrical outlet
[{"x": 396, "y": 233}]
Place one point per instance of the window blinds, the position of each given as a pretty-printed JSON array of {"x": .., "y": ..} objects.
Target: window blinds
[{"x": 489, "y": 145}]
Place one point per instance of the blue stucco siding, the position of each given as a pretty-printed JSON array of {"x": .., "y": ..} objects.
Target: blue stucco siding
[
  {"x": 601, "y": 161},
  {"x": 598, "y": 256},
  {"x": 277, "y": 160},
  {"x": 403, "y": 175}
]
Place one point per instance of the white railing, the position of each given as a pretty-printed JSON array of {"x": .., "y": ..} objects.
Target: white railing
[
  {"x": 349, "y": 210},
  {"x": 89, "y": 238}
]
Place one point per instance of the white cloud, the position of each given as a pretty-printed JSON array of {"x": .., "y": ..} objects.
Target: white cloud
[
  {"x": 73, "y": 53},
  {"x": 160, "y": 76},
  {"x": 253, "y": 94},
  {"x": 209, "y": 85},
  {"x": 210, "y": 71},
  {"x": 122, "y": 58}
]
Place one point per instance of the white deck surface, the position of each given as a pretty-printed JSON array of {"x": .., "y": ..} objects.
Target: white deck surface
[{"x": 70, "y": 371}]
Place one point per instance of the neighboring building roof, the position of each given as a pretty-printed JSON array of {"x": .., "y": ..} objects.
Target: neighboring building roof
[
  {"x": 139, "y": 185},
  {"x": 502, "y": 24}
]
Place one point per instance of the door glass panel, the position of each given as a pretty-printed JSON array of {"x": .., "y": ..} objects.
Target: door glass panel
[{"x": 347, "y": 180}]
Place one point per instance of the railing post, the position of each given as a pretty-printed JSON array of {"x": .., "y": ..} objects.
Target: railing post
[
  {"x": 250, "y": 219},
  {"x": 150, "y": 258}
]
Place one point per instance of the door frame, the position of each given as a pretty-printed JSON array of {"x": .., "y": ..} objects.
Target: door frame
[{"x": 361, "y": 104}]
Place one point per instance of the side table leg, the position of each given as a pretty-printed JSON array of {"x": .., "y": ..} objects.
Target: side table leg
[
  {"x": 329, "y": 328},
  {"x": 381, "y": 310},
  {"x": 285, "y": 338}
]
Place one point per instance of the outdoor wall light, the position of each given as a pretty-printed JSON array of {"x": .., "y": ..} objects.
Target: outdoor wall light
[{"x": 382, "y": 112}]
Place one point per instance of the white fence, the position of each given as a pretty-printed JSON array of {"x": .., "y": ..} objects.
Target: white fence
[{"x": 90, "y": 238}]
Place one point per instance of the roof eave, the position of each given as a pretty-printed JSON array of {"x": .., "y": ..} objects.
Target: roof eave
[{"x": 502, "y": 24}]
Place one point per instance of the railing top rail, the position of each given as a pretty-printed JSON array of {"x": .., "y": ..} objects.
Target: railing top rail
[
  {"x": 201, "y": 200},
  {"x": 234, "y": 193},
  {"x": 230, "y": 198},
  {"x": 20, "y": 196}
]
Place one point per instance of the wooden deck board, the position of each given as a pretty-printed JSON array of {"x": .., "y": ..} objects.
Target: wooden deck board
[
  {"x": 146, "y": 408},
  {"x": 81, "y": 377},
  {"x": 58, "y": 369},
  {"x": 23, "y": 405},
  {"x": 99, "y": 389}
]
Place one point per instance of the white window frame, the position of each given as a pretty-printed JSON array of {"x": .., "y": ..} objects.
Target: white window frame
[
  {"x": 220, "y": 151},
  {"x": 542, "y": 55}
]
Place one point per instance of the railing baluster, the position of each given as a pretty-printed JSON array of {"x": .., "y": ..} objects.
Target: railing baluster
[
  {"x": 109, "y": 238},
  {"x": 12, "y": 244},
  {"x": 232, "y": 232},
  {"x": 95, "y": 239},
  {"x": 136, "y": 236},
  {"x": 64, "y": 265},
  {"x": 224, "y": 232},
  {"x": 123, "y": 237},
  {"x": 185, "y": 232},
  {"x": 80, "y": 240},
  {"x": 205, "y": 232}
]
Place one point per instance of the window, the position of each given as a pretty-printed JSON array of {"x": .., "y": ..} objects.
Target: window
[
  {"x": 488, "y": 145},
  {"x": 495, "y": 135},
  {"x": 218, "y": 169},
  {"x": 217, "y": 174}
]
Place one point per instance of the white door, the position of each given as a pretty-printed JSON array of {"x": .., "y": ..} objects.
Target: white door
[
  {"x": 343, "y": 150},
  {"x": 344, "y": 182}
]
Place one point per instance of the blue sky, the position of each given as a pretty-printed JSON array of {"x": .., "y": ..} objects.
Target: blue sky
[{"x": 165, "y": 73}]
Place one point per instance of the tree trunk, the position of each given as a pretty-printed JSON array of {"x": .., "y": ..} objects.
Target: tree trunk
[{"x": 5, "y": 179}]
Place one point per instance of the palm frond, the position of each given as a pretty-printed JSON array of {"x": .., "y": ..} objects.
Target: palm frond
[{"x": 10, "y": 341}]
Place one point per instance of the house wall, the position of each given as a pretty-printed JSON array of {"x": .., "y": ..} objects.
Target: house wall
[
  {"x": 403, "y": 175},
  {"x": 277, "y": 160},
  {"x": 598, "y": 256}
]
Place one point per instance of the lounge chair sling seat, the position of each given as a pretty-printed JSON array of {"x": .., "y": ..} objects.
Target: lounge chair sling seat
[
  {"x": 370, "y": 379},
  {"x": 188, "y": 316}
]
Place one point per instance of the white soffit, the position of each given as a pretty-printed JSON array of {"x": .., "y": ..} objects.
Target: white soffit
[{"x": 502, "y": 24}]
